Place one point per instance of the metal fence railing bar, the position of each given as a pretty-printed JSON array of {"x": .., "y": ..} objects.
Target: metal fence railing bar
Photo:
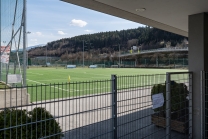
[
  {"x": 204, "y": 104},
  {"x": 157, "y": 50},
  {"x": 121, "y": 107}
]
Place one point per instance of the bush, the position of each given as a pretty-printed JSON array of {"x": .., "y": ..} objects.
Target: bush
[
  {"x": 11, "y": 118},
  {"x": 178, "y": 94},
  {"x": 38, "y": 123},
  {"x": 44, "y": 127}
]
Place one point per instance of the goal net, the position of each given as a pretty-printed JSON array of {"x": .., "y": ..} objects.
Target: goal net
[
  {"x": 100, "y": 65},
  {"x": 114, "y": 66}
]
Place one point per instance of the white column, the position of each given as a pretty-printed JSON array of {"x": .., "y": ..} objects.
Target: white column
[{"x": 198, "y": 61}]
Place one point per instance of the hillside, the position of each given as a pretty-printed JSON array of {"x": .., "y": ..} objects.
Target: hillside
[{"x": 108, "y": 43}]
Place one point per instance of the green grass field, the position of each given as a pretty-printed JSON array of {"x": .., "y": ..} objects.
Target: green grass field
[
  {"x": 60, "y": 75},
  {"x": 86, "y": 81}
]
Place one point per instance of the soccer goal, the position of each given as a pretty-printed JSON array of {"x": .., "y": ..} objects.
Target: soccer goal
[
  {"x": 114, "y": 66},
  {"x": 100, "y": 65}
]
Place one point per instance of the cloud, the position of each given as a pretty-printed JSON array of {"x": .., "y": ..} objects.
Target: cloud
[
  {"x": 79, "y": 23},
  {"x": 33, "y": 40},
  {"x": 38, "y": 33},
  {"x": 61, "y": 33},
  {"x": 88, "y": 30}
]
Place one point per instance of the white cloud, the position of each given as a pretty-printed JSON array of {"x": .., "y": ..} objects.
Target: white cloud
[
  {"x": 79, "y": 23},
  {"x": 61, "y": 33},
  {"x": 33, "y": 40},
  {"x": 88, "y": 30},
  {"x": 38, "y": 33}
]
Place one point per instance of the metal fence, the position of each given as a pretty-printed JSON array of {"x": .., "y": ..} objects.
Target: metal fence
[
  {"x": 163, "y": 62},
  {"x": 137, "y": 119},
  {"x": 171, "y": 49},
  {"x": 12, "y": 38},
  {"x": 141, "y": 62},
  {"x": 204, "y": 103},
  {"x": 120, "y": 107},
  {"x": 79, "y": 63}
]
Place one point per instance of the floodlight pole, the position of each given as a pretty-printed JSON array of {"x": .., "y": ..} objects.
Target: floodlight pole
[
  {"x": 46, "y": 55},
  {"x": 4, "y": 42},
  {"x": 27, "y": 46},
  {"x": 0, "y": 60},
  {"x": 24, "y": 45},
  {"x": 119, "y": 57},
  {"x": 0, "y": 47},
  {"x": 83, "y": 54}
]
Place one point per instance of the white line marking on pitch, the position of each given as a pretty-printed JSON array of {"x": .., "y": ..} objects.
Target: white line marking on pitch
[
  {"x": 35, "y": 73},
  {"x": 63, "y": 79},
  {"x": 52, "y": 80},
  {"x": 35, "y": 82},
  {"x": 84, "y": 89},
  {"x": 70, "y": 89},
  {"x": 46, "y": 84},
  {"x": 89, "y": 73},
  {"x": 99, "y": 74}
]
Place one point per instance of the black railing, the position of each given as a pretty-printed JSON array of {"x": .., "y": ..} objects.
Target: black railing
[
  {"x": 120, "y": 107},
  {"x": 204, "y": 103}
]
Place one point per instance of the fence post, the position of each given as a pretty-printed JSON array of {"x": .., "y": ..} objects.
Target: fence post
[
  {"x": 190, "y": 104},
  {"x": 114, "y": 105},
  {"x": 203, "y": 95},
  {"x": 168, "y": 106}
]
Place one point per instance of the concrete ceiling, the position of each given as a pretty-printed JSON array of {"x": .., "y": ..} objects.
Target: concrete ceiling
[{"x": 169, "y": 15}]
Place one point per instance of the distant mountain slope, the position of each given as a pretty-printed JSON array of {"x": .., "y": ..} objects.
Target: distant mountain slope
[
  {"x": 39, "y": 45},
  {"x": 30, "y": 47},
  {"x": 108, "y": 42}
]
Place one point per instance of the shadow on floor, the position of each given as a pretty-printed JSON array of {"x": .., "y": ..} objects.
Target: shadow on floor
[{"x": 135, "y": 125}]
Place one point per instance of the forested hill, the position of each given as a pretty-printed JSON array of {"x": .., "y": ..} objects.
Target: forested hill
[{"x": 108, "y": 42}]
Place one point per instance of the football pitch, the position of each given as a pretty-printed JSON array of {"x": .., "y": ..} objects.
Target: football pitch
[
  {"x": 52, "y": 83},
  {"x": 61, "y": 75}
]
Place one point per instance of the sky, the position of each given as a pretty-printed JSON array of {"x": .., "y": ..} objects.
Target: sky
[{"x": 50, "y": 20}]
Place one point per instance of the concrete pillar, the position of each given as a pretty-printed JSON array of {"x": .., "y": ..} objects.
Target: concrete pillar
[{"x": 198, "y": 61}]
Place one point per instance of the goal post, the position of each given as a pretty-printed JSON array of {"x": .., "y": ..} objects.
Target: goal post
[
  {"x": 100, "y": 65},
  {"x": 114, "y": 66}
]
